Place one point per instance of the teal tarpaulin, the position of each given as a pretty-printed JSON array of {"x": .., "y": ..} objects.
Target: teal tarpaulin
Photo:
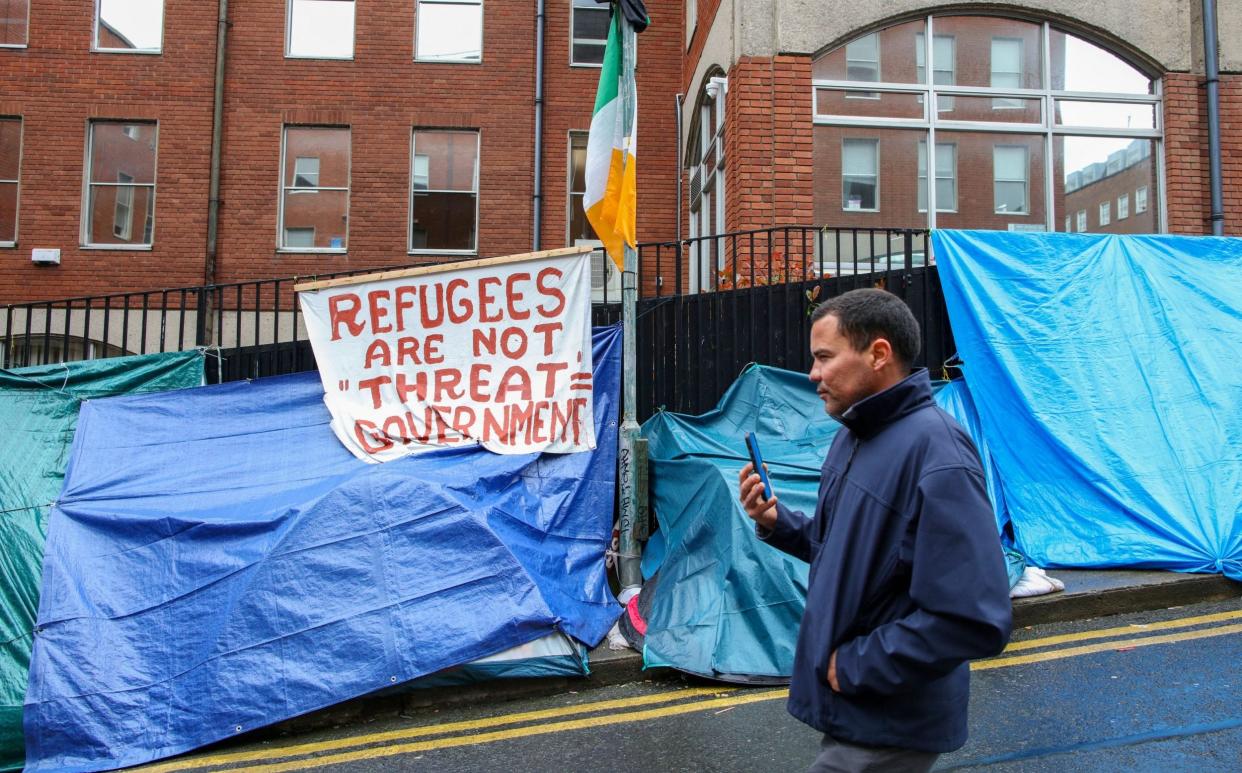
[
  {"x": 725, "y": 605},
  {"x": 38, "y": 416}
]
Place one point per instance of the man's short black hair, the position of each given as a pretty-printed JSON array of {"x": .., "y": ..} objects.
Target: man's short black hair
[{"x": 868, "y": 314}]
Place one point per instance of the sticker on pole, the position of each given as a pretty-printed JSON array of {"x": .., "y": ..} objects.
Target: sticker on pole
[{"x": 495, "y": 352}]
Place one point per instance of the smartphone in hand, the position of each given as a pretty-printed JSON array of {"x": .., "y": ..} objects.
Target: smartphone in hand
[{"x": 756, "y": 459}]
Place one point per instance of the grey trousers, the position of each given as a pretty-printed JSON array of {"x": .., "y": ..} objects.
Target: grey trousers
[{"x": 840, "y": 757}]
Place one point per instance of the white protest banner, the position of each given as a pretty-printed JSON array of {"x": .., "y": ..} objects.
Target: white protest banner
[{"x": 494, "y": 351}]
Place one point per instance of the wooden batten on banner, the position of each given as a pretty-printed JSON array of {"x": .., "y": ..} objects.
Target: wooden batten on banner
[{"x": 440, "y": 268}]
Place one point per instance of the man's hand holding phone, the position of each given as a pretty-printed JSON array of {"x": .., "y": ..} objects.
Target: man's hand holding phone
[{"x": 754, "y": 488}]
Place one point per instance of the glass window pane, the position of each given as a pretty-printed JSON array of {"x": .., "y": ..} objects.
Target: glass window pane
[
  {"x": 975, "y": 38},
  {"x": 299, "y": 237},
  {"x": 306, "y": 173},
  {"x": 944, "y": 64},
  {"x": 1081, "y": 66},
  {"x": 14, "y": 20},
  {"x": 946, "y": 177},
  {"x": 577, "y": 162},
  {"x": 321, "y": 28},
  {"x": 120, "y": 148},
  {"x": 1018, "y": 185},
  {"x": 135, "y": 25},
  {"x": 579, "y": 227},
  {"x": 451, "y": 159},
  {"x": 443, "y": 221},
  {"x": 995, "y": 110},
  {"x": 850, "y": 104},
  {"x": 858, "y": 157},
  {"x": 1105, "y": 115},
  {"x": 324, "y": 148},
  {"x": 324, "y": 212},
  {"x": 449, "y": 32},
  {"x": 10, "y": 147},
  {"x": 590, "y": 31},
  {"x": 116, "y": 214},
  {"x": 8, "y": 212},
  {"x": 1010, "y": 163},
  {"x": 887, "y": 55},
  {"x": 1095, "y": 170}
]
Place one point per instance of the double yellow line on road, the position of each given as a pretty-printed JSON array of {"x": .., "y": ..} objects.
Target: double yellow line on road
[{"x": 646, "y": 707}]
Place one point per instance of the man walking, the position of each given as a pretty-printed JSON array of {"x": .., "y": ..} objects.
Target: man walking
[{"x": 907, "y": 583}]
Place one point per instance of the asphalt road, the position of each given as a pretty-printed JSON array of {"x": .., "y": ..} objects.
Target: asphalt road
[{"x": 1157, "y": 691}]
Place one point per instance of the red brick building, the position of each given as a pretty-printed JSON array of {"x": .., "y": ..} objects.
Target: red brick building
[{"x": 369, "y": 134}]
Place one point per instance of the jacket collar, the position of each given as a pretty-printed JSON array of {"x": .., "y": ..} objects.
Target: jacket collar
[{"x": 871, "y": 414}]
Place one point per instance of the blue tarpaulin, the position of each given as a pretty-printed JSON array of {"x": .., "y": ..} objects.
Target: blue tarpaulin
[
  {"x": 1105, "y": 372},
  {"x": 218, "y": 561}
]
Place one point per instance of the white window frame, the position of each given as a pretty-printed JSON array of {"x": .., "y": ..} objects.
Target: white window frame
[
  {"x": 878, "y": 70},
  {"x": 922, "y": 176},
  {"x": 300, "y": 189},
  {"x": 1025, "y": 180},
  {"x": 608, "y": 290},
  {"x": 409, "y": 217},
  {"x": 573, "y": 12},
  {"x": 875, "y": 142},
  {"x": 1106, "y": 212},
  {"x": 418, "y": 8},
  {"x": 17, "y": 181},
  {"x": 1069, "y": 225},
  {"x": 96, "y": 47},
  {"x": 1007, "y": 103},
  {"x": 353, "y": 43},
  {"x": 88, "y": 183},
  {"x": 1123, "y": 206},
  {"x": 1045, "y": 128},
  {"x": 1082, "y": 221},
  {"x": 25, "y": 43},
  {"x": 1140, "y": 200}
]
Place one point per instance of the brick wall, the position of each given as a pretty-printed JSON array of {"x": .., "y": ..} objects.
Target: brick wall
[
  {"x": 1188, "y": 195},
  {"x": 56, "y": 85},
  {"x": 768, "y": 150}
]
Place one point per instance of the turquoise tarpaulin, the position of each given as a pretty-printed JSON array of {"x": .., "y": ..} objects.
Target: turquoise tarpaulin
[
  {"x": 38, "y": 416},
  {"x": 1105, "y": 372},
  {"x": 726, "y": 605}
]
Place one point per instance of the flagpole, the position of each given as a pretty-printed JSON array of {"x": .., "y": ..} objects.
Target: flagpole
[{"x": 629, "y": 570}]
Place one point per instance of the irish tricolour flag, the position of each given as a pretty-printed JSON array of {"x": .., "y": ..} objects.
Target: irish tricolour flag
[{"x": 610, "y": 164}]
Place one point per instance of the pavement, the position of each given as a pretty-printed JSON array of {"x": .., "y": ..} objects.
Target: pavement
[{"x": 1088, "y": 594}]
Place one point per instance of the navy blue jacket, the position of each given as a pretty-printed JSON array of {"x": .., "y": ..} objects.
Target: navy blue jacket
[{"x": 907, "y": 581}]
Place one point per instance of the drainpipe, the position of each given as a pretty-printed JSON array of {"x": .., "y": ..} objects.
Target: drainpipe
[
  {"x": 537, "y": 196},
  {"x": 1212, "y": 71},
  {"x": 677, "y": 100},
  {"x": 205, "y": 333}
]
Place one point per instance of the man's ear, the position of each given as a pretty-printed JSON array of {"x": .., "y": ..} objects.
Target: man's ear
[{"x": 881, "y": 352}]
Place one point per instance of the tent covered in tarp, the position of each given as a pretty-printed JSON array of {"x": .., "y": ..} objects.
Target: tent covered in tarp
[
  {"x": 717, "y": 602},
  {"x": 218, "y": 561},
  {"x": 1105, "y": 372},
  {"x": 38, "y": 415}
]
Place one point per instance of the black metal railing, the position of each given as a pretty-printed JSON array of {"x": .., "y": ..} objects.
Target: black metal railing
[
  {"x": 746, "y": 297},
  {"x": 708, "y": 307}
]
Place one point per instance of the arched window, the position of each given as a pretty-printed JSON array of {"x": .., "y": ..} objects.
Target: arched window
[
  {"x": 707, "y": 186},
  {"x": 957, "y": 121}
]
